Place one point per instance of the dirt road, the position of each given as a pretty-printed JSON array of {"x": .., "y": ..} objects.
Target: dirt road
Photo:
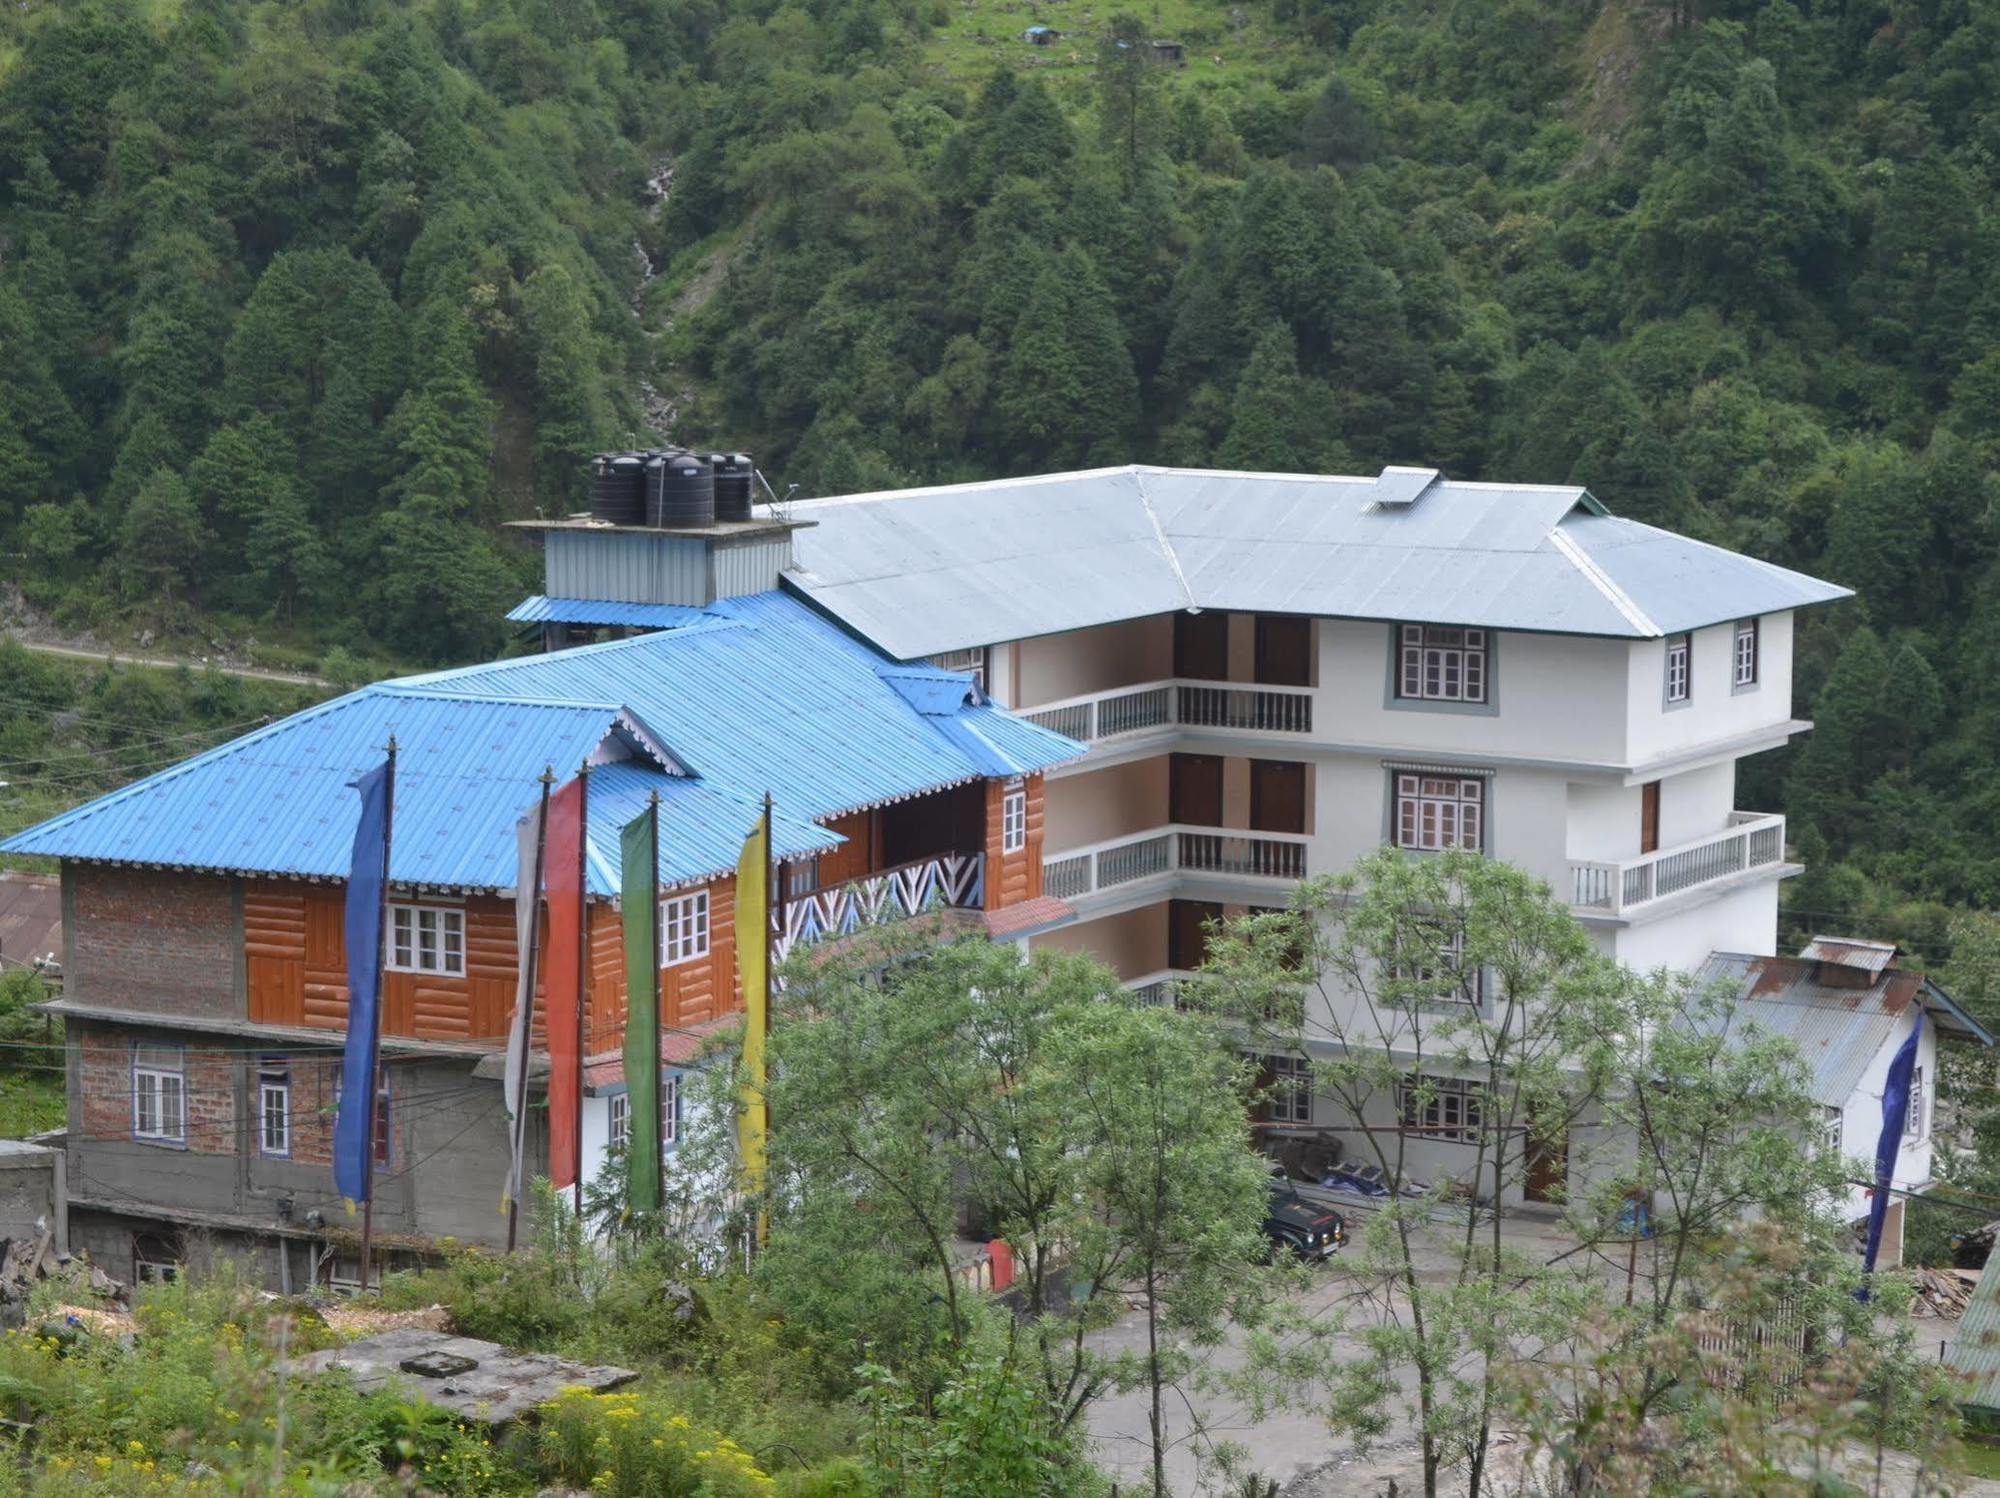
[{"x": 167, "y": 662}]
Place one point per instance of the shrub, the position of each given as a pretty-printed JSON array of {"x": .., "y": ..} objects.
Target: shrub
[{"x": 624, "y": 1443}]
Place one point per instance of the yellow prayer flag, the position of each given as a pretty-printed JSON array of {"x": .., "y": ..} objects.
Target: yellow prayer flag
[{"x": 753, "y": 925}]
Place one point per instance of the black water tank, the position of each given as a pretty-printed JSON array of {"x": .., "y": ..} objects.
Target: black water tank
[
  {"x": 618, "y": 489},
  {"x": 680, "y": 492},
  {"x": 732, "y": 485}
]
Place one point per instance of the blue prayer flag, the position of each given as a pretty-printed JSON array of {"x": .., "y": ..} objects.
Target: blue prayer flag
[
  {"x": 1895, "y": 1118},
  {"x": 354, "y": 1127}
]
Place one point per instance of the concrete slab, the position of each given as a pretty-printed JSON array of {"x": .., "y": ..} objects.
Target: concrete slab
[{"x": 476, "y": 1380}]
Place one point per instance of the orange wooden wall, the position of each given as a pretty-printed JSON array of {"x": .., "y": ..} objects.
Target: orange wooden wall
[{"x": 1014, "y": 877}]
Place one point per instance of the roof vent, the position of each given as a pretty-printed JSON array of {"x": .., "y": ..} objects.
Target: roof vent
[
  {"x": 1399, "y": 488},
  {"x": 1843, "y": 962}
]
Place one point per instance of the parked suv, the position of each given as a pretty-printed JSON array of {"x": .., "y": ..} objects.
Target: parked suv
[{"x": 1303, "y": 1228}]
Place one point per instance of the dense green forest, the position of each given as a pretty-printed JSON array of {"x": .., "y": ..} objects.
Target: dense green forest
[{"x": 299, "y": 301}]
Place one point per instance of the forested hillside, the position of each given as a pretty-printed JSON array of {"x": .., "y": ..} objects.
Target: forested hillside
[{"x": 298, "y": 301}]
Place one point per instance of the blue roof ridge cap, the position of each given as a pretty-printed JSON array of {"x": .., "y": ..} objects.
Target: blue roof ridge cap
[{"x": 708, "y": 623}]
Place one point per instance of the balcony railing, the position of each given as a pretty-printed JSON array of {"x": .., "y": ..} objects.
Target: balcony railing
[
  {"x": 1157, "y": 988},
  {"x": 1076, "y": 872},
  {"x": 951, "y": 880},
  {"x": 1752, "y": 840},
  {"x": 1098, "y": 717}
]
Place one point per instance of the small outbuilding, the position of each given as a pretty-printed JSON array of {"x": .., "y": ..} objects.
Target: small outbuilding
[
  {"x": 1041, "y": 36},
  {"x": 1173, "y": 53}
]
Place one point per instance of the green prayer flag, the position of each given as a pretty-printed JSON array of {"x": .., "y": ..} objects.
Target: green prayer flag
[{"x": 640, "y": 891}]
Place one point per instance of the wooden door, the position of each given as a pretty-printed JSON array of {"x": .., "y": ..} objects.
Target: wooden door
[
  {"x": 1201, "y": 646},
  {"x": 1649, "y": 817},
  {"x": 1187, "y": 932},
  {"x": 1284, "y": 651},
  {"x": 1194, "y": 789},
  {"x": 1547, "y": 1165},
  {"x": 1277, "y": 795}
]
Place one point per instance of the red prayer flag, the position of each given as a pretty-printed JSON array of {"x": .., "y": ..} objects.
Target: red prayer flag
[{"x": 562, "y": 877}]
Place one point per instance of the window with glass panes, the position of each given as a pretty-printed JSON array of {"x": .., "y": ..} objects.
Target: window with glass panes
[
  {"x": 1434, "y": 963},
  {"x": 1013, "y": 821},
  {"x": 1745, "y": 655},
  {"x": 621, "y": 1117},
  {"x": 159, "y": 1094},
  {"x": 1447, "y": 1107},
  {"x": 427, "y": 939},
  {"x": 684, "y": 927},
  {"x": 1680, "y": 656},
  {"x": 1439, "y": 811},
  {"x": 1287, "y": 1085},
  {"x": 1436, "y": 664},
  {"x": 274, "y": 1108},
  {"x": 1917, "y": 1121}
]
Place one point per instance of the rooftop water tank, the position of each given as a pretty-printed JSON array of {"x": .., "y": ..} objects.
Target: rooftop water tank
[
  {"x": 618, "y": 489},
  {"x": 732, "y": 485},
  {"x": 680, "y": 492}
]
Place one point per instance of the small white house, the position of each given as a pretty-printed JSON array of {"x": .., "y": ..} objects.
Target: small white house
[{"x": 1848, "y": 1008}]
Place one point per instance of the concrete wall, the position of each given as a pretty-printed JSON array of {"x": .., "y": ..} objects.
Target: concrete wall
[
  {"x": 1605, "y": 818},
  {"x": 1108, "y": 803},
  {"x": 1714, "y": 710},
  {"x": 1553, "y": 697},
  {"x": 33, "y": 1192},
  {"x": 1053, "y": 667},
  {"x": 1861, "y": 1117},
  {"x": 1743, "y": 919},
  {"x": 141, "y": 939},
  {"x": 1132, "y": 943}
]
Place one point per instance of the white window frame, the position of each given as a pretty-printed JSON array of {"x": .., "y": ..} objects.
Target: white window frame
[
  {"x": 426, "y": 938},
  {"x": 973, "y": 661},
  {"x": 618, "y": 1118},
  {"x": 670, "y": 1110},
  {"x": 1440, "y": 1107},
  {"x": 1292, "y": 1104},
  {"x": 159, "y": 1094},
  {"x": 1442, "y": 663},
  {"x": 1448, "y": 980},
  {"x": 1013, "y": 820},
  {"x": 683, "y": 927},
  {"x": 1833, "y": 1130},
  {"x": 274, "y": 1107},
  {"x": 1432, "y": 812},
  {"x": 1745, "y": 649},
  {"x": 1678, "y": 687},
  {"x": 1916, "y": 1119}
]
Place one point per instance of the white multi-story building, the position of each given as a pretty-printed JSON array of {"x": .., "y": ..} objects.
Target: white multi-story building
[{"x": 1277, "y": 674}]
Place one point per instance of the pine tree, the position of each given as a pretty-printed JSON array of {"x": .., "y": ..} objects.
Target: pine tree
[
  {"x": 568, "y": 402},
  {"x": 1068, "y": 395},
  {"x": 162, "y": 541}
]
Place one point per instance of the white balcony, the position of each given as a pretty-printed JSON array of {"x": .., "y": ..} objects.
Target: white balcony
[
  {"x": 1122, "y": 713},
  {"x": 951, "y": 881},
  {"x": 1075, "y": 873},
  {"x": 1752, "y": 840},
  {"x": 1159, "y": 987}
]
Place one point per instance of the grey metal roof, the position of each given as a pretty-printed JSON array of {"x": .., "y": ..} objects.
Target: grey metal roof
[
  {"x": 921, "y": 571},
  {"x": 1838, "y": 1030}
]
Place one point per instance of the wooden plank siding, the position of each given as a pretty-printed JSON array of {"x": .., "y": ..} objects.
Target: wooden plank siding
[
  {"x": 1012, "y": 878},
  {"x": 296, "y": 966}
]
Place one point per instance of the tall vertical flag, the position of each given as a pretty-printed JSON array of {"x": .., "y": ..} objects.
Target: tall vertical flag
[
  {"x": 367, "y": 883},
  {"x": 639, "y": 896},
  {"x": 531, "y": 839},
  {"x": 1895, "y": 1119},
  {"x": 562, "y": 982},
  {"x": 753, "y": 966}
]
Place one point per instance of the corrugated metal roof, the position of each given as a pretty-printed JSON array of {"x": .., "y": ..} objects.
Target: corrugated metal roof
[
  {"x": 921, "y": 571},
  {"x": 1838, "y": 1031},
  {"x": 1867, "y": 956},
  {"x": 537, "y": 609},
  {"x": 761, "y": 694},
  {"x": 1975, "y": 1351}
]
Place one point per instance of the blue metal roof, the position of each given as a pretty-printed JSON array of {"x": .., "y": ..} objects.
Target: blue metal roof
[
  {"x": 759, "y": 694},
  {"x": 538, "y": 609}
]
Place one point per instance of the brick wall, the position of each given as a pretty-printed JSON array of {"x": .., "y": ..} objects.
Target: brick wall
[
  {"x": 104, "y": 1076},
  {"x": 150, "y": 939}
]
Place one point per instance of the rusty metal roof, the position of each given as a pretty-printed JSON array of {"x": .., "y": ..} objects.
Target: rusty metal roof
[
  {"x": 1868, "y": 956},
  {"x": 1838, "y": 1027}
]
